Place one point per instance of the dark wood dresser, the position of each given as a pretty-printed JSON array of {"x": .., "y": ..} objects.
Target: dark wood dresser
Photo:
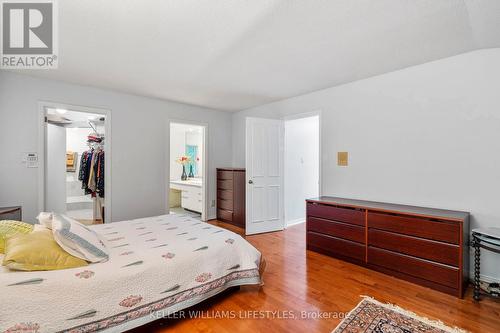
[
  {"x": 231, "y": 186},
  {"x": 425, "y": 246},
  {"x": 11, "y": 213}
]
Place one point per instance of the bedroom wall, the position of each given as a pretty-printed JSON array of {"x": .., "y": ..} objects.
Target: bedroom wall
[
  {"x": 139, "y": 142},
  {"x": 301, "y": 166},
  {"x": 177, "y": 148},
  {"x": 76, "y": 139},
  {"x": 427, "y": 135}
]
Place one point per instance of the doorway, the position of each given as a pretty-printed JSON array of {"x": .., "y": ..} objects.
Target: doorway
[
  {"x": 265, "y": 175},
  {"x": 76, "y": 162},
  {"x": 187, "y": 171},
  {"x": 283, "y": 169},
  {"x": 302, "y": 166}
]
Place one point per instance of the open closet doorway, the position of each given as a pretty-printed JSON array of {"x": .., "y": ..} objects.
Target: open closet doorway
[
  {"x": 302, "y": 165},
  {"x": 187, "y": 173},
  {"x": 75, "y": 168},
  {"x": 283, "y": 169}
]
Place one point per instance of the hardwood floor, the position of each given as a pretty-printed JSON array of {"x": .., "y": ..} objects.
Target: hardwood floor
[
  {"x": 296, "y": 281},
  {"x": 89, "y": 222}
]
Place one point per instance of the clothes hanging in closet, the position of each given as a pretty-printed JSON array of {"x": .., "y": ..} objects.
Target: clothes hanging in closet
[{"x": 91, "y": 172}]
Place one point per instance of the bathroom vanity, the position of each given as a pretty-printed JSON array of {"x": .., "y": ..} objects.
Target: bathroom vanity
[{"x": 191, "y": 193}]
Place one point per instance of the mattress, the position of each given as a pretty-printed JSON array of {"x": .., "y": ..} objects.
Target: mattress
[{"x": 157, "y": 266}]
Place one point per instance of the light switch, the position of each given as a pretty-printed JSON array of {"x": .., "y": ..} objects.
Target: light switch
[{"x": 342, "y": 158}]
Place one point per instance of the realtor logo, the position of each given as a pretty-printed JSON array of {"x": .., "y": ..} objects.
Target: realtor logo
[{"x": 29, "y": 39}]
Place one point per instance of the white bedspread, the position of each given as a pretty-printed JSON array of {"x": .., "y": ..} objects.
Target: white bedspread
[{"x": 163, "y": 263}]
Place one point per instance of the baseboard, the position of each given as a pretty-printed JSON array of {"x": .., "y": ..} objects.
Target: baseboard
[{"x": 294, "y": 222}]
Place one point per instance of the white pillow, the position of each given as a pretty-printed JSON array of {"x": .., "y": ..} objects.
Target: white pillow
[
  {"x": 45, "y": 219},
  {"x": 78, "y": 240},
  {"x": 39, "y": 227}
]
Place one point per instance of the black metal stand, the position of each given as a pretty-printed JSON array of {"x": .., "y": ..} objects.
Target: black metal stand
[{"x": 478, "y": 242}]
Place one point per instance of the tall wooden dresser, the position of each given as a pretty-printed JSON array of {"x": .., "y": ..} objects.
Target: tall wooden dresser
[
  {"x": 422, "y": 245},
  {"x": 231, "y": 186}
]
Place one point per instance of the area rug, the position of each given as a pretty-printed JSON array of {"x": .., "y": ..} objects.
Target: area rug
[{"x": 371, "y": 316}]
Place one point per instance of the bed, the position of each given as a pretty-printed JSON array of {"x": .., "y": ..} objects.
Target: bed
[{"x": 157, "y": 266}]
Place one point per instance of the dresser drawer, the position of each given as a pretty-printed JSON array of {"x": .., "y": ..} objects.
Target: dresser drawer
[
  {"x": 444, "y": 231},
  {"x": 193, "y": 191},
  {"x": 341, "y": 230},
  {"x": 423, "y": 269},
  {"x": 224, "y": 184},
  {"x": 224, "y": 174},
  {"x": 427, "y": 249},
  {"x": 192, "y": 203},
  {"x": 225, "y": 194},
  {"x": 346, "y": 215},
  {"x": 224, "y": 215},
  {"x": 225, "y": 204},
  {"x": 335, "y": 246}
]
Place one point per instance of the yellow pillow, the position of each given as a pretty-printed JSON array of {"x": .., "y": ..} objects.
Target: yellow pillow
[
  {"x": 9, "y": 228},
  {"x": 37, "y": 251}
]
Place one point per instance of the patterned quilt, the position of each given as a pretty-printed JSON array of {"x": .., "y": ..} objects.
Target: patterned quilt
[{"x": 157, "y": 266}]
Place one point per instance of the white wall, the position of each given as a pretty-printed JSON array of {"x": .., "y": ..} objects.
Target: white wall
[
  {"x": 140, "y": 136},
  {"x": 180, "y": 136},
  {"x": 194, "y": 137},
  {"x": 76, "y": 139},
  {"x": 55, "y": 191},
  {"x": 428, "y": 135},
  {"x": 301, "y": 166},
  {"x": 177, "y": 149}
]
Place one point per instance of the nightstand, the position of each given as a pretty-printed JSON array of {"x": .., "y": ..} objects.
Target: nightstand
[{"x": 11, "y": 213}]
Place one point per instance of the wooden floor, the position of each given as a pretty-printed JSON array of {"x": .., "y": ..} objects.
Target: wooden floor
[
  {"x": 297, "y": 280},
  {"x": 89, "y": 222}
]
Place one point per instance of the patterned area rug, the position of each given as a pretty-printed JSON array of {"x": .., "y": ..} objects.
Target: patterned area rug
[{"x": 371, "y": 316}]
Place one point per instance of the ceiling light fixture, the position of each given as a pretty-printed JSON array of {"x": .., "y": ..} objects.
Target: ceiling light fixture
[{"x": 61, "y": 111}]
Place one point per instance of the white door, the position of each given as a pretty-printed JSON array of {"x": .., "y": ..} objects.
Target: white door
[
  {"x": 264, "y": 173},
  {"x": 55, "y": 172}
]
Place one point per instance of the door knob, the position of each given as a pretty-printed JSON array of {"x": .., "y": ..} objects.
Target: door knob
[{"x": 250, "y": 181}]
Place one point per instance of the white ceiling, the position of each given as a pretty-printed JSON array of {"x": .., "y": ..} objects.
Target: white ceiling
[
  {"x": 235, "y": 54},
  {"x": 70, "y": 118}
]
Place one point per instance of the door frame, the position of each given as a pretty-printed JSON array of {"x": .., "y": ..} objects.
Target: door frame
[
  {"x": 320, "y": 173},
  {"x": 247, "y": 174},
  {"x": 42, "y": 151},
  {"x": 204, "y": 164}
]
